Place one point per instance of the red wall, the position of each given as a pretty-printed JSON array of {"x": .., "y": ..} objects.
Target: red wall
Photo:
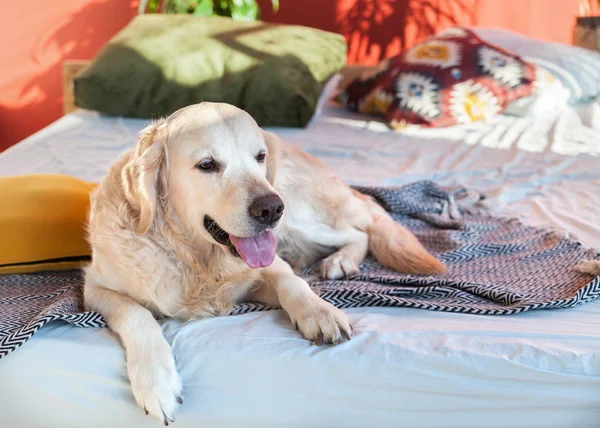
[
  {"x": 379, "y": 28},
  {"x": 38, "y": 35}
]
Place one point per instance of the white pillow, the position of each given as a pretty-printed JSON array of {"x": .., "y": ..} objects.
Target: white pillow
[
  {"x": 550, "y": 98},
  {"x": 578, "y": 69}
]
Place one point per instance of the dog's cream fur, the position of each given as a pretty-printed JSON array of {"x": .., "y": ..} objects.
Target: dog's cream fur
[
  {"x": 589, "y": 267},
  {"x": 152, "y": 255}
]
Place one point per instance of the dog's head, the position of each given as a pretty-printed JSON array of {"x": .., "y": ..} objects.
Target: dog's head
[{"x": 214, "y": 168}]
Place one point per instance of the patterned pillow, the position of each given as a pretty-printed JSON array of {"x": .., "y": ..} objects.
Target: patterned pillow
[{"x": 451, "y": 78}]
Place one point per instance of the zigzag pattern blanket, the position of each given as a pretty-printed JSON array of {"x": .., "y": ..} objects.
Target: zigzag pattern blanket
[{"x": 496, "y": 266}]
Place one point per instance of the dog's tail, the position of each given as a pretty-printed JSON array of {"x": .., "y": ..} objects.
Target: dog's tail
[{"x": 396, "y": 248}]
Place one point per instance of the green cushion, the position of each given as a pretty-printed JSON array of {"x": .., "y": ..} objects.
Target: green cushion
[{"x": 160, "y": 63}]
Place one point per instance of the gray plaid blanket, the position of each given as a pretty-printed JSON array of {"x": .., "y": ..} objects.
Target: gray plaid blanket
[{"x": 496, "y": 266}]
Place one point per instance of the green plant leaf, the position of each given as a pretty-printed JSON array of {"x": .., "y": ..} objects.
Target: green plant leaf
[
  {"x": 152, "y": 6},
  {"x": 222, "y": 8},
  {"x": 178, "y": 6},
  {"x": 243, "y": 10},
  {"x": 204, "y": 8}
]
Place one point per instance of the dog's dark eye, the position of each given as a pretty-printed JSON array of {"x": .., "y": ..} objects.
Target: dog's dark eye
[
  {"x": 207, "y": 165},
  {"x": 261, "y": 157}
]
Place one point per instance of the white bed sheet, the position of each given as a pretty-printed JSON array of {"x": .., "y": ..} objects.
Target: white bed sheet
[{"x": 404, "y": 367}]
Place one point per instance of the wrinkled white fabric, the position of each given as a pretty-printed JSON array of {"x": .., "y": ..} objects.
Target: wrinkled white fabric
[{"x": 404, "y": 367}]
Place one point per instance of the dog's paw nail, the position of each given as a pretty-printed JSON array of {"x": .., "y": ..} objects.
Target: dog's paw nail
[
  {"x": 296, "y": 325},
  {"x": 146, "y": 411},
  {"x": 319, "y": 339},
  {"x": 179, "y": 399},
  {"x": 345, "y": 334},
  {"x": 167, "y": 419}
]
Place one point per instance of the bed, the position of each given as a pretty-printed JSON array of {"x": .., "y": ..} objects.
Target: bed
[{"x": 404, "y": 367}]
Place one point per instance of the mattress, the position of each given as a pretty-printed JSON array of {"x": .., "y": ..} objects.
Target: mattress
[{"x": 404, "y": 367}]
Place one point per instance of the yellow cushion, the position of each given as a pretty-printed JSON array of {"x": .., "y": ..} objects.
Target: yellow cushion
[{"x": 42, "y": 223}]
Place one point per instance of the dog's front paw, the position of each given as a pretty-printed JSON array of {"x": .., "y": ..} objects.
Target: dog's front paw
[
  {"x": 322, "y": 323},
  {"x": 589, "y": 267},
  {"x": 155, "y": 382},
  {"x": 338, "y": 266}
]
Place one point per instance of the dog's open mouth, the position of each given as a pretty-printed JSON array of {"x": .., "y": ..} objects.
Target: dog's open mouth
[
  {"x": 219, "y": 234},
  {"x": 257, "y": 251}
]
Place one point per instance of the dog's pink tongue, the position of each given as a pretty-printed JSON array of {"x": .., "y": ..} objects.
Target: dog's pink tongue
[{"x": 258, "y": 251}]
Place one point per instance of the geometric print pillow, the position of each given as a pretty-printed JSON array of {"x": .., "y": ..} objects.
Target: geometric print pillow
[{"x": 451, "y": 78}]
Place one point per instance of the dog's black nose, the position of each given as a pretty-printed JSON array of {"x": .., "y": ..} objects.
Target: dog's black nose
[{"x": 267, "y": 209}]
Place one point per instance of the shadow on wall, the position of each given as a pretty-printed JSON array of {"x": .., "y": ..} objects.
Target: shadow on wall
[
  {"x": 377, "y": 29},
  {"x": 32, "y": 97}
]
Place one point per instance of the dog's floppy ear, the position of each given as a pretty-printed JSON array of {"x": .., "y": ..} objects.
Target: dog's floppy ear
[
  {"x": 140, "y": 174},
  {"x": 272, "y": 142}
]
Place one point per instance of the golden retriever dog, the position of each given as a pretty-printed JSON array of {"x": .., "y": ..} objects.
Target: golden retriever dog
[{"x": 207, "y": 210}]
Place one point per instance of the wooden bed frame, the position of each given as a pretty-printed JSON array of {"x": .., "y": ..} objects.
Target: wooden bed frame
[{"x": 71, "y": 69}]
